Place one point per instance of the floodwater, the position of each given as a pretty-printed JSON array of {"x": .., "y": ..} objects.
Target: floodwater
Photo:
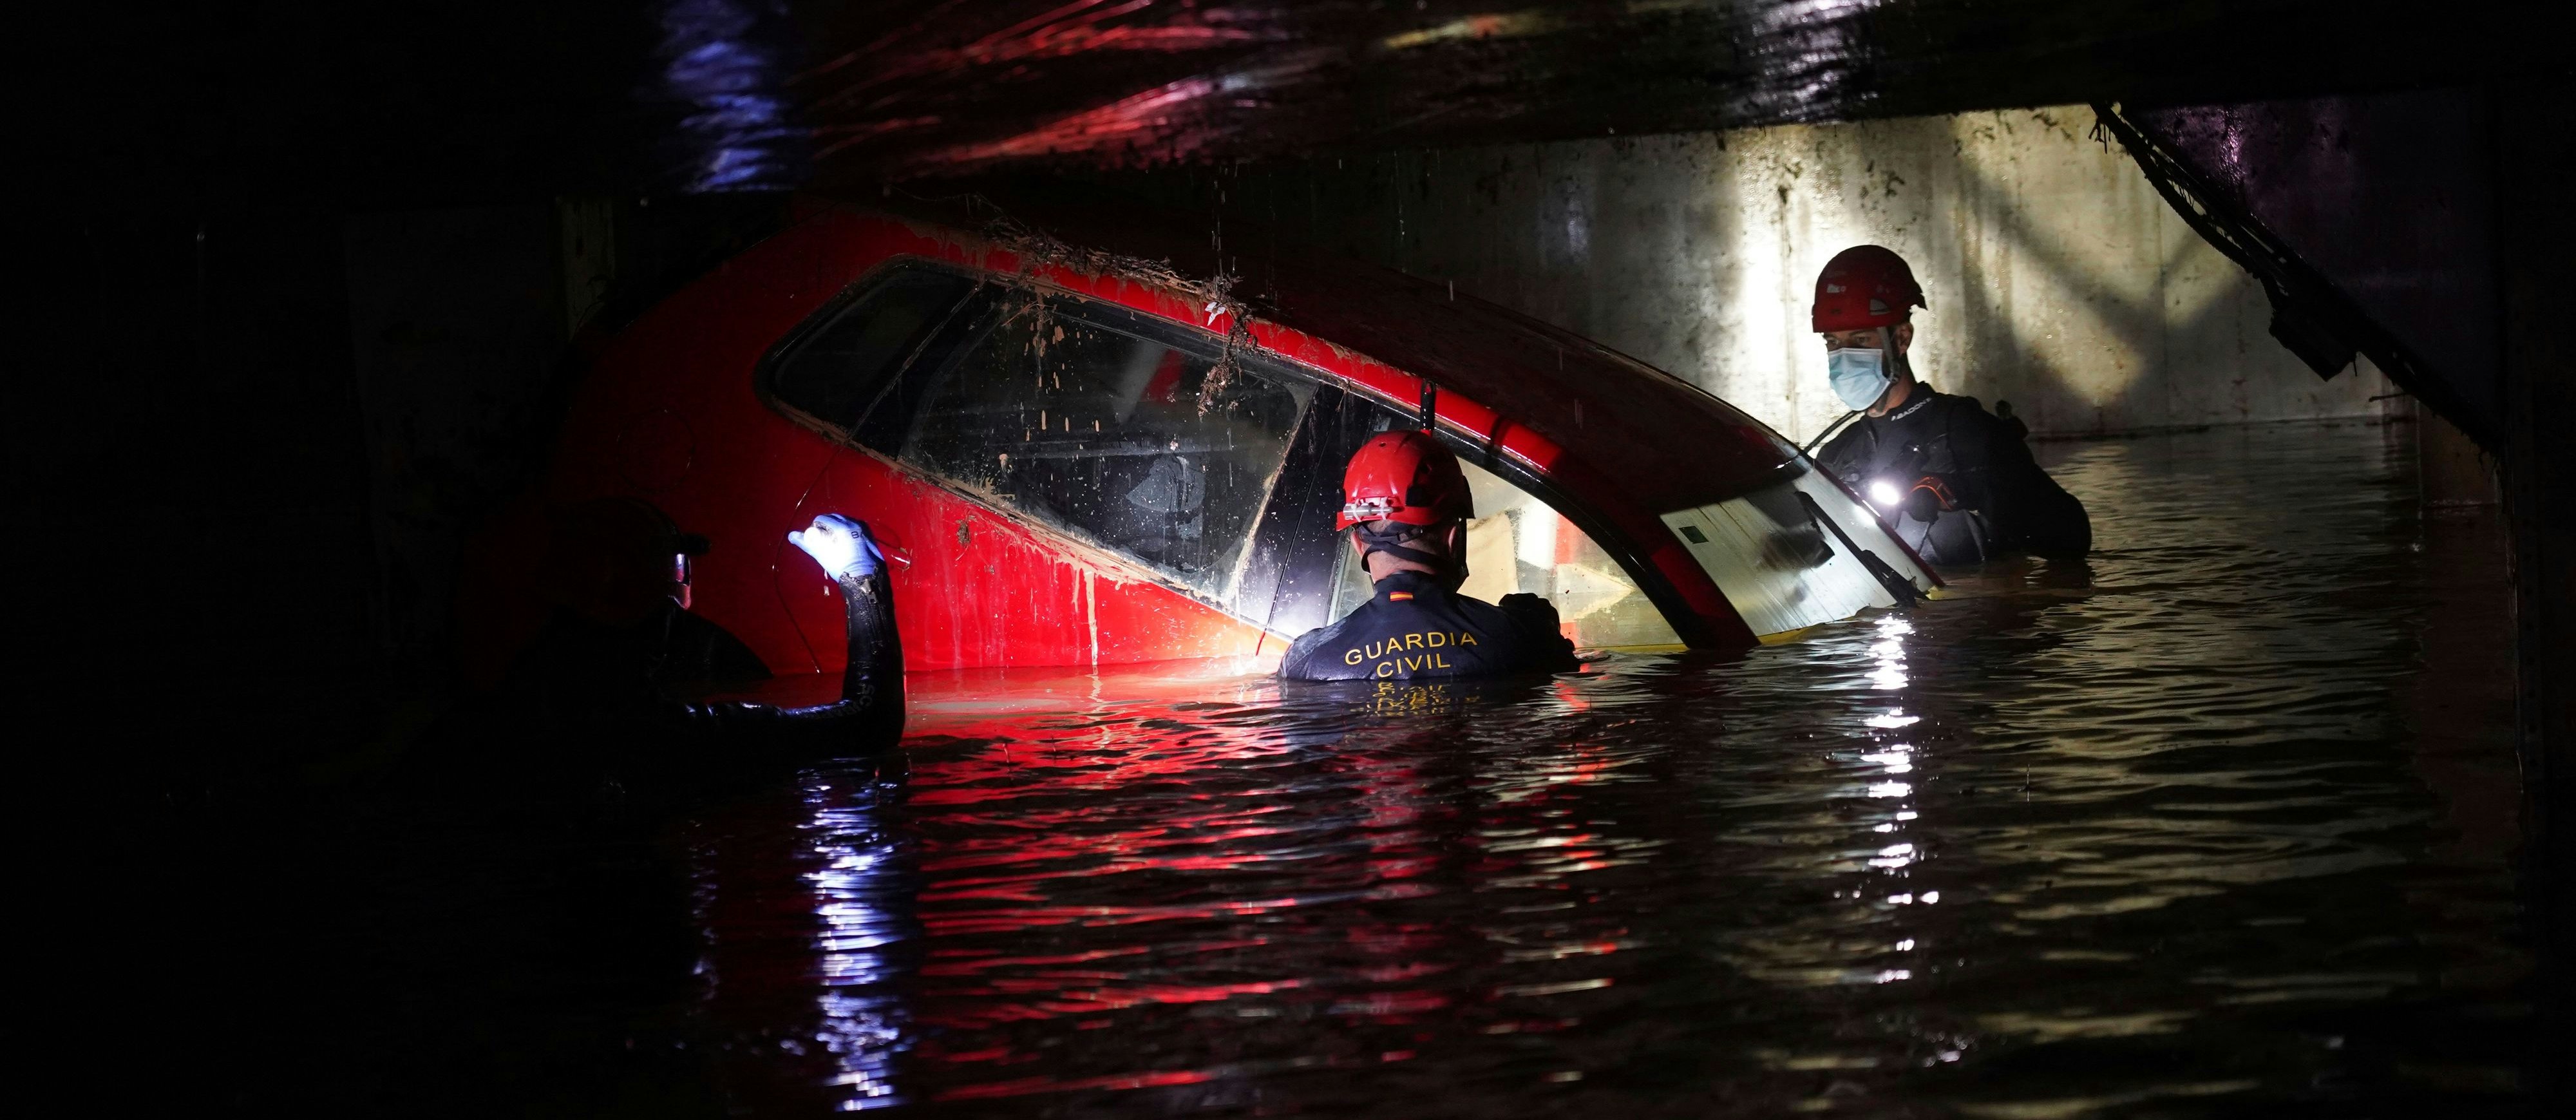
[{"x": 2221, "y": 823}]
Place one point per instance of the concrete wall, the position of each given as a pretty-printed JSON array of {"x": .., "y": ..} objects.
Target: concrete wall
[{"x": 2058, "y": 279}]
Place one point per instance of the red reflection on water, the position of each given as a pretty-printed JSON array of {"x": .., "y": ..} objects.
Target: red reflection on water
[
  {"x": 1023, "y": 842},
  {"x": 1209, "y": 857},
  {"x": 1027, "y": 1086}
]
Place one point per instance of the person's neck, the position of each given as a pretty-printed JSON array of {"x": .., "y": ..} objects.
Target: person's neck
[
  {"x": 1896, "y": 395},
  {"x": 1382, "y": 566}
]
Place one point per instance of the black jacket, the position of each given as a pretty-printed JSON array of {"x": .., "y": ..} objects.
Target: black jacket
[
  {"x": 1414, "y": 629},
  {"x": 1983, "y": 463},
  {"x": 625, "y": 689}
]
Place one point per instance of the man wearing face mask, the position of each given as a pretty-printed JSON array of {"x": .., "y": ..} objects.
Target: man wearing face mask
[
  {"x": 1407, "y": 503},
  {"x": 1954, "y": 481}
]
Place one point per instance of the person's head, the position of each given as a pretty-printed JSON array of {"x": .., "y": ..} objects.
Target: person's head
[
  {"x": 1864, "y": 299},
  {"x": 616, "y": 560},
  {"x": 1407, "y": 499}
]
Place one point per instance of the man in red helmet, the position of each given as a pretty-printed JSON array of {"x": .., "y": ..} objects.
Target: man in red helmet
[
  {"x": 1407, "y": 505},
  {"x": 1954, "y": 481}
]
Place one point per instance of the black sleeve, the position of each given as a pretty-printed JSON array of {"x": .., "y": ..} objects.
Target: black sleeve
[
  {"x": 1293, "y": 666},
  {"x": 2033, "y": 511},
  {"x": 1998, "y": 476},
  {"x": 1540, "y": 627},
  {"x": 700, "y": 654},
  {"x": 1847, "y": 455},
  {"x": 1972, "y": 454},
  {"x": 869, "y": 714},
  {"x": 726, "y": 658}
]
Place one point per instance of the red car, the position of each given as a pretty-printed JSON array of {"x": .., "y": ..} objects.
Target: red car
[{"x": 1078, "y": 455}]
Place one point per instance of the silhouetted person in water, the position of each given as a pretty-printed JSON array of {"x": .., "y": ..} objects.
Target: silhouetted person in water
[
  {"x": 620, "y": 659},
  {"x": 1407, "y": 502}
]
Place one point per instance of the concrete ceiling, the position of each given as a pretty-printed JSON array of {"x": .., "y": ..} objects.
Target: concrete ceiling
[
  {"x": 937, "y": 87},
  {"x": 400, "y": 104}
]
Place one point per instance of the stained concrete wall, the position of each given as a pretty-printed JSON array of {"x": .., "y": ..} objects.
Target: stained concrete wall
[{"x": 2058, "y": 279}]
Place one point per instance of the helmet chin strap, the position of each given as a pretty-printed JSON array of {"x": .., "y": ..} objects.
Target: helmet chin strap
[
  {"x": 1453, "y": 570},
  {"x": 1895, "y": 357}
]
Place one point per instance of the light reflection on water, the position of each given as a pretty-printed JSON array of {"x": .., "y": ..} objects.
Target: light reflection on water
[
  {"x": 863, "y": 1020},
  {"x": 2148, "y": 835}
]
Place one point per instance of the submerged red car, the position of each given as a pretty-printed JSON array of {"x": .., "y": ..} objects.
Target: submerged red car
[{"x": 1079, "y": 455}]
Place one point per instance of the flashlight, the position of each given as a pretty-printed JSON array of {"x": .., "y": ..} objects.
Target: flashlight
[{"x": 1885, "y": 495}]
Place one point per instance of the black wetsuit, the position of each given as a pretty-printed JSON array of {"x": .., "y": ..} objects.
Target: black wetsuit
[
  {"x": 2004, "y": 501},
  {"x": 1415, "y": 629},
  {"x": 621, "y": 688}
]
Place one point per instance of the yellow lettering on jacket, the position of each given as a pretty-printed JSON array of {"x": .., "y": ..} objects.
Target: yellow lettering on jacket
[
  {"x": 1351, "y": 657},
  {"x": 1396, "y": 663}
]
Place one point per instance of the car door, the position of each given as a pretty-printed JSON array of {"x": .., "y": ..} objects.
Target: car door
[{"x": 1062, "y": 480}]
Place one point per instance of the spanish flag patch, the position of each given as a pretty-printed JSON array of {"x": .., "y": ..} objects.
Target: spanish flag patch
[{"x": 1398, "y": 596}]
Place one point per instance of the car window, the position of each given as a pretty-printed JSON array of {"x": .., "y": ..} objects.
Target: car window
[
  {"x": 835, "y": 371},
  {"x": 1115, "y": 427},
  {"x": 1103, "y": 423},
  {"x": 1518, "y": 543},
  {"x": 1782, "y": 568}
]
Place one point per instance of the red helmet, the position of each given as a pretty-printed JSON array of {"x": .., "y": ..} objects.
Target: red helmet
[
  {"x": 1406, "y": 477},
  {"x": 1862, "y": 287}
]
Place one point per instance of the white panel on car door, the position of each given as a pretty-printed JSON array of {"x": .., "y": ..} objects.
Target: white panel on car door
[{"x": 1780, "y": 569}]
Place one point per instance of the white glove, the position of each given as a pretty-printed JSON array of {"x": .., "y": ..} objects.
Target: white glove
[{"x": 842, "y": 546}]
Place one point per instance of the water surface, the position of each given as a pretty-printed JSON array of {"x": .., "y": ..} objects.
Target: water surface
[
  {"x": 2189, "y": 829},
  {"x": 2220, "y": 823}
]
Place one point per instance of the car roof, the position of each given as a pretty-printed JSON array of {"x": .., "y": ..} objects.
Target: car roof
[{"x": 1625, "y": 430}]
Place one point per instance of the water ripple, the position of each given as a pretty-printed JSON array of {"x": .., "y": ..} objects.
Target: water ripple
[{"x": 2148, "y": 834}]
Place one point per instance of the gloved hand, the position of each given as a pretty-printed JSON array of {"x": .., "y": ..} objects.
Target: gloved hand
[
  {"x": 841, "y": 545},
  {"x": 1928, "y": 498},
  {"x": 1532, "y": 606}
]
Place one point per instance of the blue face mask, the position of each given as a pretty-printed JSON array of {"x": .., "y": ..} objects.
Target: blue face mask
[{"x": 1859, "y": 376}]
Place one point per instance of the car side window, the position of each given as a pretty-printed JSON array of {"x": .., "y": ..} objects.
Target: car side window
[
  {"x": 1518, "y": 543},
  {"x": 835, "y": 371},
  {"x": 1133, "y": 433},
  {"x": 1120, "y": 429}
]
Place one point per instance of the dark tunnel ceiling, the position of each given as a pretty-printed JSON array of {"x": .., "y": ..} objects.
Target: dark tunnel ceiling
[
  {"x": 411, "y": 104},
  {"x": 939, "y": 86}
]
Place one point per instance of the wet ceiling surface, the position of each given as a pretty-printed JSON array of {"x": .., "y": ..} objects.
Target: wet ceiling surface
[
  {"x": 937, "y": 86},
  {"x": 393, "y": 106}
]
